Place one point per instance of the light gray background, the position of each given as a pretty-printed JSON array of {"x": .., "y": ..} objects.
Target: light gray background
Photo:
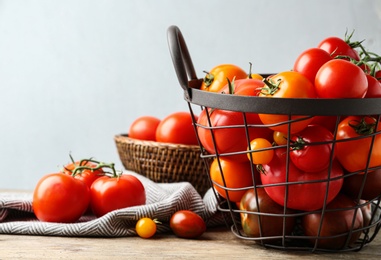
[{"x": 75, "y": 73}]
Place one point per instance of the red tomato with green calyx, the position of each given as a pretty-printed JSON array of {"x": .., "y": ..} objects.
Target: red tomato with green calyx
[
  {"x": 187, "y": 224},
  {"x": 60, "y": 198},
  {"x": 336, "y": 46},
  {"x": 109, "y": 193}
]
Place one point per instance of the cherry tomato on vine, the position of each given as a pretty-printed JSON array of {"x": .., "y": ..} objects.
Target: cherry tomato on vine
[
  {"x": 187, "y": 224},
  {"x": 336, "y": 46},
  {"x": 177, "y": 128},
  {"x": 114, "y": 192},
  {"x": 217, "y": 77},
  {"x": 377, "y": 75},
  {"x": 337, "y": 223},
  {"x": 260, "y": 157},
  {"x": 341, "y": 79},
  {"x": 287, "y": 84},
  {"x": 84, "y": 170},
  {"x": 305, "y": 191},
  {"x": 59, "y": 197},
  {"x": 309, "y": 62},
  {"x": 306, "y": 154},
  {"x": 353, "y": 154},
  {"x": 146, "y": 227},
  {"x": 237, "y": 175},
  {"x": 374, "y": 87},
  {"x": 144, "y": 128}
]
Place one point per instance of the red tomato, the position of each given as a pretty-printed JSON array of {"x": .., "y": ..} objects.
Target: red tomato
[
  {"x": 341, "y": 79},
  {"x": 144, "y": 128},
  {"x": 244, "y": 87},
  {"x": 236, "y": 176},
  {"x": 377, "y": 75},
  {"x": 110, "y": 193},
  {"x": 84, "y": 174},
  {"x": 353, "y": 154},
  {"x": 229, "y": 139},
  {"x": 60, "y": 198},
  {"x": 254, "y": 224},
  {"x": 328, "y": 122},
  {"x": 337, "y": 221},
  {"x": 177, "y": 128},
  {"x": 309, "y": 62},
  {"x": 287, "y": 84},
  {"x": 306, "y": 154},
  {"x": 336, "y": 46},
  {"x": 374, "y": 87},
  {"x": 306, "y": 191},
  {"x": 218, "y": 77},
  {"x": 368, "y": 184},
  {"x": 187, "y": 224}
]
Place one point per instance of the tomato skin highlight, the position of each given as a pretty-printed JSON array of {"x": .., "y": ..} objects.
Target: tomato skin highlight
[
  {"x": 144, "y": 128},
  {"x": 341, "y": 79},
  {"x": 187, "y": 224},
  {"x": 112, "y": 193},
  {"x": 60, "y": 198}
]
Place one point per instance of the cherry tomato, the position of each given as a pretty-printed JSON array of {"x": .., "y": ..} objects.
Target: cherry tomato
[
  {"x": 353, "y": 154},
  {"x": 341, "y": 79},
  {"x": 280, "y": 138},
  {"x": 244, "y": 87},
  {"x": 287, "y": 84},
  {"x": 187, "y": 224},
  {"x": 144, "y": 128},
  {"x": 305, "y": 191},
  {"x": 216, "y": 79},
  {"x": 377, "y": 75},
  {"x": 336, "y": 46},
  {"x": 368, "y": 184},
  {"x": 229, "y": 139},
  {"x": 59, "y": 197},
  {"x": 306, "y": 154},
  {"x": 146, "y": 227},
  {"x": 374, "y": 87},
  {"x": 337, "y": 221},
  {"x": 86, "y": 175},
  {"x": 110, "y": 193},
  {"x": 260, "y": 157},
  {"x": 309, "y": 62},
  {"x": 177, "y": 128},
  {"x": 237, "y": 175},
  {"x": 262, "y": 225}
]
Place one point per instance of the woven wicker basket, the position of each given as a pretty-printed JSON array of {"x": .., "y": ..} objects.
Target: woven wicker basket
[{"x": 163, "y": 162}]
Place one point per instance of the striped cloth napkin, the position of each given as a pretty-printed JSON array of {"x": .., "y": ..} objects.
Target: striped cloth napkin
[{"x": 163, "y": 199}]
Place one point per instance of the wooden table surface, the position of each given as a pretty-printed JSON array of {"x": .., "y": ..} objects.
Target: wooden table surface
[{"x": 216, "y": 243}]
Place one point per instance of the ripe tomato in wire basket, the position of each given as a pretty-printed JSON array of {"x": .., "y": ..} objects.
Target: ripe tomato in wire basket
[
  {"x": 60, "y": 197},
  {"x": 218, "y": 77},
  {"x": 287, "y": 84},
  {"x": 305, "y": 191},
  {"x": 353, "y": 154}
]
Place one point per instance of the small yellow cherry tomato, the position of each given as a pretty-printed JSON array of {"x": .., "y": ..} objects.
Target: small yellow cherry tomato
[
  {"x": 280, "y": 138},
  {"x": 146, "y": 227},
  {"x": 260, "y": 157}
]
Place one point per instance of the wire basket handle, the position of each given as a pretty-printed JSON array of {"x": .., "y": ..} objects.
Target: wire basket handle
[{"x": 181, "y": 58}]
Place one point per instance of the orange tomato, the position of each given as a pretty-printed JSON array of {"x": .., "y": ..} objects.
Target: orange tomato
[{"x": 216, "y": 79}]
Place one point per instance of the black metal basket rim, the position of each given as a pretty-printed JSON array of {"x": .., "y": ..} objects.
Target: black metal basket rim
[{"x": 284, "y": 106}]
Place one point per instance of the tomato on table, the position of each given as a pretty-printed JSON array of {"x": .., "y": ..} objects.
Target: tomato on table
[
  {"x": 144, "y": 128},
  {"x": 305, "y": 191},
  {"x": 85, "y": 170},
  {"x": 353, "y": 153},
  {"x": 187, "y": 224},
  {"x": 117, "y": 191},
  {"x": 217, "y": 77},
  {"x": 177, "y": 128},
  {"x": 60, "y": 198},
  {"x": 287, "y": 84},
  {"x": 146, "y": 227}
]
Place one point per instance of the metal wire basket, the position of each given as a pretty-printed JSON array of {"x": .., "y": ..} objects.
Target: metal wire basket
[{"x": 199, "y": 100}]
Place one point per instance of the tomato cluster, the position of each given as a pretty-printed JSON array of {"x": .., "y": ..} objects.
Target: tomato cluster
[
  {"x": 298, "y": 164},
  {"x": 83, "y": 187},
  {"x": 176, "y": 128}
]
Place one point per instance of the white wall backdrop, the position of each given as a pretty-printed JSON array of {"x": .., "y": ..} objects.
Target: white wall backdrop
[{"x": 75, "y": 73}]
